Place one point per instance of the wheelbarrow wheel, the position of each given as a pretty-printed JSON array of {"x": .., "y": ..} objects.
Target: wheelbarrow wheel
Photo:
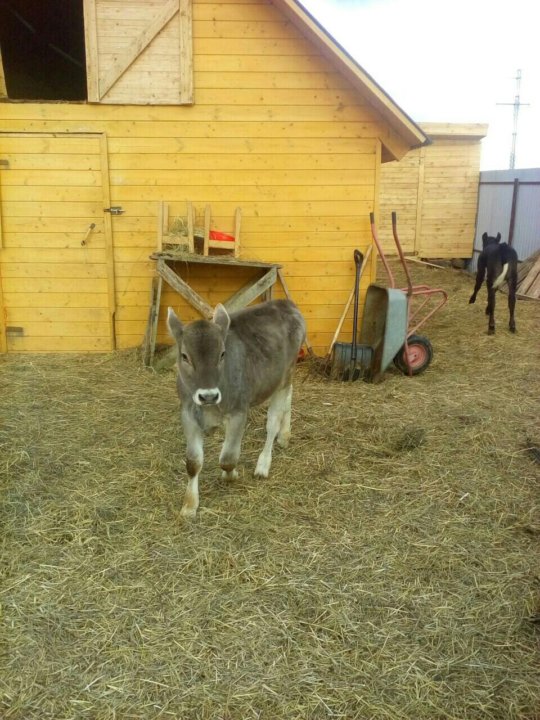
[{"x": 420, "y": 355}]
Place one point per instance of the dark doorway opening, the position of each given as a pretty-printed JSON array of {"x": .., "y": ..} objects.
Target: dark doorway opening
[{"x": 43, "y": 53}]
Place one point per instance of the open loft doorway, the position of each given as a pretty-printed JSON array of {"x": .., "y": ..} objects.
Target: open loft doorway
[{"x": 42, "y": 49}]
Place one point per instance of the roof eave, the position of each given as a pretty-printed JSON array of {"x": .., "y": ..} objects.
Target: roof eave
[
  {"x": 457, "y": 131},
  {"x": 404, "y": 134}
]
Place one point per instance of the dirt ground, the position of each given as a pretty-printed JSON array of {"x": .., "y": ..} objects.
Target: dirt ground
[{"x": 387, "y": 569}]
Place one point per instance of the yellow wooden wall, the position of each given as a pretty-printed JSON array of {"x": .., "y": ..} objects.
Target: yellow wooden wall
[
  {"x": 434, "y": 191},
  {"x": 273, "y": 130}
]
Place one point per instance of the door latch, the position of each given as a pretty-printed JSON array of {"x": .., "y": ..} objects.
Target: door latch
[{"x": 114, "y": 210}]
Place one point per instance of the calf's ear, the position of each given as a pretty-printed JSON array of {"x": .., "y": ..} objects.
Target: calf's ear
[
  {"x": 221, "y": 318},
  {"x": 485, "y": 237},
  {"x": 498, "y": 238},
  {"x": 174, "y": 324}
]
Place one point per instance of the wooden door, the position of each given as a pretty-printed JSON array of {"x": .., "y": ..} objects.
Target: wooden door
[
  {"x": 56, "y": 265},
  {"x": 139, "y": 52}
]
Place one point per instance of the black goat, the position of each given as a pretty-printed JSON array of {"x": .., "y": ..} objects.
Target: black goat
[{"x": 501, "y": 262}]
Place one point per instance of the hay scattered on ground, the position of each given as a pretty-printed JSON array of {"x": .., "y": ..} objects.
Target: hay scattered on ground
[{"x": 387, "y": 569}]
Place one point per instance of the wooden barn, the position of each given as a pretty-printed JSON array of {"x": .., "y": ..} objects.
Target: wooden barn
[
  {"x": 118, "y": 116},
  {"x": 434, "y": 190}
]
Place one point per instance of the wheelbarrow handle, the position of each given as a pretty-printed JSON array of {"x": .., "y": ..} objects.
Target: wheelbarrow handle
[{"x": 358, "y": 258}]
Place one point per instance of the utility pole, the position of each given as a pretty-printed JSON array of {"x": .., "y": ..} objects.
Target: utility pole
[{"x": 516, "y": 104}]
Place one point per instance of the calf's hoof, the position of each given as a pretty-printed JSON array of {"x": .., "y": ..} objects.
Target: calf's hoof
[
  {"x": 283, "y": 440},
  {"x": 188, "y": 512},
  {"x": 229, "y": 474},
  {"x": 512, "y": 328},
  {"x": 263, "y": 468},
  {"x": 491, "y": 331},
  {"x": 472, "y": 300}
]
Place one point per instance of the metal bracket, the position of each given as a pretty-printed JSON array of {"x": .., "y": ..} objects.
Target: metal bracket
[
  {"x": 114, "y": 210},
  {"x": 4, "y": 163}
]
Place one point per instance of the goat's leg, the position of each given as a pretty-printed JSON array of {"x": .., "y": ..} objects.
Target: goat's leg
[
  {"x": 490, "y": 309},
  {"x": 480, "y": 273},
  {"x": 512, "y": 289},
  {"x": 284, "y": 434},
  {"x": 276, "y": 411},
  {"x": 232, "y": 445},
  {"x": 194, "y": 462}
]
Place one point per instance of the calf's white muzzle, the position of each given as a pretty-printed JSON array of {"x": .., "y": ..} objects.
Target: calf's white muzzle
[{"x": 207, "y": 396}]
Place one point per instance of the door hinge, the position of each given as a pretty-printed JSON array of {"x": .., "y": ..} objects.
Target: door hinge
[{"x": 114, "y": 210}]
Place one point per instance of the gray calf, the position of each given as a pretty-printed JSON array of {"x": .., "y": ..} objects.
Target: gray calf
[{"x": 227, "y": 365}]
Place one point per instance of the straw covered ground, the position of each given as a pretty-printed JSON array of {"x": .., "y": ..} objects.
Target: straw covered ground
[{"x": 388, "y": 569}]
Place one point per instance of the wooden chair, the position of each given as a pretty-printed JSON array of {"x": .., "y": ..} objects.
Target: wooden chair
[{"x": 211, "y": 239}]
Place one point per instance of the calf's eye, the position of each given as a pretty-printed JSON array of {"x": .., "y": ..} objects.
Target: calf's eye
[{"x": 185, "y": 358}]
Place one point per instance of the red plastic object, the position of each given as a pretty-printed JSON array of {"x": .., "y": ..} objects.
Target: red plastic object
[{"x": 221, "y": 236}]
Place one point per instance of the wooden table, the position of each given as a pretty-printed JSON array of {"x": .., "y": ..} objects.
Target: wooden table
[{"x": 266, "y": 278}]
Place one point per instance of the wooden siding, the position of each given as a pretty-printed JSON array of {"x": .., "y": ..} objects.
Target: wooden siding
[
  {"x": 58, "y": 293},
  {"x": 434, "y": 191},
  {"x": 274, "y": 130}
]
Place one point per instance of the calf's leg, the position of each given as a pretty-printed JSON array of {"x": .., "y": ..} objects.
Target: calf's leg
[
  {"x": 480, "y": 273},
  {"x": 230, "y": 452},
  {"x": 284, "y": 434},
  {"x": 512, "y": 289},
  {"x": 276, "y": 412},
  {"x": 490, "y": 309},
  {"x": 194, "y": 463}
]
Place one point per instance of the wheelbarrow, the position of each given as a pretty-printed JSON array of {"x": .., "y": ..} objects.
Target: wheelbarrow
[{"x": 392, "y": 317}]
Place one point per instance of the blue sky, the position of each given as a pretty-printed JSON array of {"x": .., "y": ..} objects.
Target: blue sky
[{"x": 450, "y": 62}]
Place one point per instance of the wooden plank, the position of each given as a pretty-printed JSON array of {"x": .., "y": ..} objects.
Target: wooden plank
[
  {"x": 37, "y": 144},
  {"x": 528, "y": 283},
  {"x": 265, "y": 134},
  {"x": 211, "y": 260},
  {"x": 419, "y": 201},
  {"x": 281, "y": 178},
  {"x": 124, "y": 60},
  {"x": 3, "y": 339},
  {"x": 138, "y": 199},
  {"x": 91, "y": 45},
  {"x": 109, "y": 248},
  {"x": 36, "y": 193},
  {"x": 67, "y": 344},
  {"x": 3, "y": 171},
  {"x": 71, "y": 297},
  {"x": 251, "y": 291},
  {"x": 190, "y": 224},
  {"x": 67, "y": 178},
  {"x": 184, "y": 289},
  {"x": 155, "y": 318},
  {"x": 86, "y": 210},
  {"x": 160, "y": 218},
  {"x": 3, "y": 88},
  {"x": 80, "y": 113},
  {"x": 207, "y": 220},
  {"x": 186, "y": 51},
  {"x": 149, "y": 342},
  {"x": 39, "y": 286},
  {"x": 22, "y": 315},
  {"x": 267, "y": 80},
  {"x": 54, "y": 329},
  {"x": 237, "y": 224},
  {"x": 148, "y": 160},
  {"x": 46, "y": 160}
]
